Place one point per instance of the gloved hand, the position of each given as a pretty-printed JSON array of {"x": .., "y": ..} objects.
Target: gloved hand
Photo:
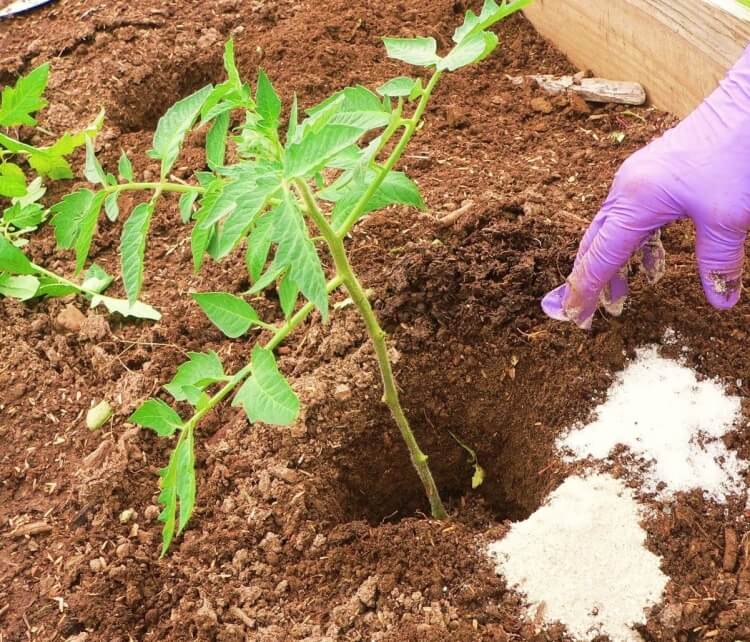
[{"x": 699, "y": 169}]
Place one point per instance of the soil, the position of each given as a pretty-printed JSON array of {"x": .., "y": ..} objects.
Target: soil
[{"x": 316, "y": 532}]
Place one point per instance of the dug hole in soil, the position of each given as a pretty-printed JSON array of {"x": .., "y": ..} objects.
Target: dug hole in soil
[{"x": 316, "y": 532}]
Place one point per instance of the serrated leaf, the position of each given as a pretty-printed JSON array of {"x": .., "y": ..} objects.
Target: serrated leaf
[
  {"x": 297, "y": 252},
  {"x": 158, "y": 416},
  {"x": 12, "y": 259},
  {"x": 125, "y": 167},
  {"x": 86, "y": 230},
  {"x": 470, "y": 50},
  {"x": 396, "y": 189},
  {"x": 92, "y": 169},
  {"x": 19, "y": 102},
  {"x": 259, "y": 245},
  {"x": 355, "y": 107},
  {"x": 12, "y": 181},
  {"x": 133, "y": 247},
  {"x": 421, "y": 52},
  {"x": 68, "y": 214},
  {"x": 19, "y": 287},
  {"x": 398, "y": 87},
  {"x": 288, "y": 293},
  {"x": 177, "y": 485},
  {"x": 174, "y": 125},
  {"x": 216, "y": 140},
  {"x": 231, "y": 314},
  {"x": 24, "y": 216},
  {"x": 42, "y": 160},
  {"x": 111, "y": 208},
  {"x": 491, "y": 13},
  {"x": 96, "y": 279},
  {"x": 310, "y": 155},
  {"x": 138, "y": 309},
  {"x": 268, "y": 103},
  {"x": 267, "y": 396},
  {"x": 200, "y": 371},
  {"x": 186, "y": 205},
  {"x": 201, "y": 234},
  {"x": 235, "y": 210}
]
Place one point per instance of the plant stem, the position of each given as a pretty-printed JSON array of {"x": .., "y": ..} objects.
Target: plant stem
[
  {"x": 377, "y": 336},
  {"x": 61, "y": 279},
  {"x": 157, "y": 186},
  {"x": 281, "y": 333},
  {"x": 411, "y": 126}
]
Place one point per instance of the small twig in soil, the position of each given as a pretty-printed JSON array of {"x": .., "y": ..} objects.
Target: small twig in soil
[{"x": 450, "y": 219}]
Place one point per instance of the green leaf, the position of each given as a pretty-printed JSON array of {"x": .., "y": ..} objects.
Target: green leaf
[
  {"x": 288, "y": 293},
  {"x": 186, "y": 205},
  {"x": 396, "y": 189},
  {"x": 491, "y": 13},
  {"x": 86, "y": 230},
  {"x": 311, "y": 154},
  {"x": 68, "y": 215},
  {"x": 291, "y": 131},
  {"x": 93, "y": 170},
  {"x": 125, "y": 167},
  {"x": 158, "y": 416},
  {"x": 415, "y": 51},
  {"x": 233, "y": 76},
  {"x": 42, "y": 160},
  {"x": 354, "y": 106},
  {"x": 267, "y": 396},
  {"x": 19, "y": 287},
  {"x": 297, "y": 251},
  {"x": 138, "y": 309},
  {"x": 96, "y": 279},
  {"x": 174, "y": 125},
  {"x": 199, "y": 372},
  {"x": 24, "y": 216},
  {"x": 177, "y": 485},
  {"x": 231, "y": 314},
  {"x": 53, "y": 288},
  {"x": 133, "y": 247},
  {"x": 12, "y": 259},
  {"x": 259, "y": 245},
  {"x": 111, "y": 208},
  {"x": 236, "y": 209},
  {"x": 12, "y": 180},
  {"x": 268, "y": 102},
  {"x": 216, "y": 140},
  {"x": 398, "y": 87},
  {"x": 202, "y": 232},
  {"x": 19, "y": 102},
  {"x": 470, "y": 50}
]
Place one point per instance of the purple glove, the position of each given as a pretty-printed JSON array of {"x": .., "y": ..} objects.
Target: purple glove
[{"x": 699, "y": 169}]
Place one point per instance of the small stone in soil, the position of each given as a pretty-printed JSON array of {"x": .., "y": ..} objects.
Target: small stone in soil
[
  {"x": 342, "y": 392},
  {"x": 70, "y": 319}
]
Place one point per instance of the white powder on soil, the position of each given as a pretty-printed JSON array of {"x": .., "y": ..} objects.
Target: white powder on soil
[
  {"x": 581, "y": 560},
  {"x": 659, "y": 410}
]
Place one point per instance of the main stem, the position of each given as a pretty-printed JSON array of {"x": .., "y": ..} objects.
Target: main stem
[{"x": 377, "y": 336}]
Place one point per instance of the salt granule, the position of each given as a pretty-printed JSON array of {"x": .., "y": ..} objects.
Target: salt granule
[
  {"x": 659, "y": 410},
  {"x": 581, "y": 560}
]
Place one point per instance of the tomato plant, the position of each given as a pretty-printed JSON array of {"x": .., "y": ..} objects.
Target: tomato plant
[{"x": 291, "y": 196}]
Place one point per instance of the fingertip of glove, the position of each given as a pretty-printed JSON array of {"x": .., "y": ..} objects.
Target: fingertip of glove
[
  {"x": 721, "y": 292},
  {"x": 552, "y": 304}
]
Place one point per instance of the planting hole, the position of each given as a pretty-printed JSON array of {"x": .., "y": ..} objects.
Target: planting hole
[{"x": 509, "y": 415}]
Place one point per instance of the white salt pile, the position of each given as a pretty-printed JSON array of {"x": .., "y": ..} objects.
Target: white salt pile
[
  {"x": 581, "y": 560},
  {"x": 659, "y": 410}
]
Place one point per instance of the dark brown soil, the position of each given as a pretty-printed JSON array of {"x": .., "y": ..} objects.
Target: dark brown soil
[{"x": 316, "y": 532}]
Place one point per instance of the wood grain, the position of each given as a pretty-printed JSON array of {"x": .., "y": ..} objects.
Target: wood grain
[{"x": 677, "y": 49}]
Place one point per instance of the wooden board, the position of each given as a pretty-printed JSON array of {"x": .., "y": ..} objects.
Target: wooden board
[{"x": 677, "y": 49}]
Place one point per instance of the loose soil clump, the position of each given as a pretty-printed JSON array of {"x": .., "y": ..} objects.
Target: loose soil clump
[{"x": 315, "y": 532}]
